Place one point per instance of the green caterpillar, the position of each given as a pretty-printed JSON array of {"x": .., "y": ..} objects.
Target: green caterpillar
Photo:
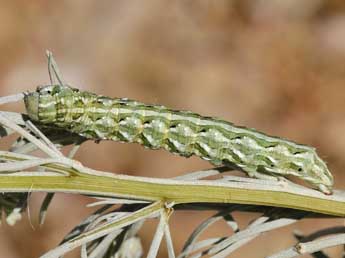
[{"x": 181, "y": 132}]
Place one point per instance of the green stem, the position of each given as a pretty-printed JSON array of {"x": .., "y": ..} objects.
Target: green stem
[{"x": 170, "y": 191}]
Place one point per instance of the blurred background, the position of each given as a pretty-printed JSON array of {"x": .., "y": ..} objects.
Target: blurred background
[{"x": 278, "y": 66}]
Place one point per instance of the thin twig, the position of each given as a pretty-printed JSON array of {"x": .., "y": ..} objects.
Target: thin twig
[
  {"x": 104, "y": 230},
  {"x": 11, "y": 98},
  {"x": 157, "y": 239},
  {"x": 6, "y": 122},
  {"x": 36, "y": 131}
]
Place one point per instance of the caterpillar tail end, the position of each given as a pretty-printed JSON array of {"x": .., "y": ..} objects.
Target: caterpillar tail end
[{"x": 31, "y": 104}]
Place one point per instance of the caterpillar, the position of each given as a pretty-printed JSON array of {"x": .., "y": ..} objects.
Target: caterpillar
[{"x": 180, "y": 132}]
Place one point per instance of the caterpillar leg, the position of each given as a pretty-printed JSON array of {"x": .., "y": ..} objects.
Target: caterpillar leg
[
  {"x": 264, "y": 175},
  {"x": 253, "y": 172},
  {"x": 258, "y": 175}
]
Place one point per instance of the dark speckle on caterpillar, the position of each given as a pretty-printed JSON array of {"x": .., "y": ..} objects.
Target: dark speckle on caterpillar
[{"x": 181, "y": 132}]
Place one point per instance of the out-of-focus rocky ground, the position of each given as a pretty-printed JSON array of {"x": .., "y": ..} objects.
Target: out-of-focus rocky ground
[{"x": 278, "y": 66}]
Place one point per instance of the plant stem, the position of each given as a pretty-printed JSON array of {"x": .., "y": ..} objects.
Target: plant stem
[{"x": 170, "y": 191}]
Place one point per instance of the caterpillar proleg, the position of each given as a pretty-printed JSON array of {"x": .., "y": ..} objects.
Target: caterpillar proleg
[{"x": 181, "y": 132}]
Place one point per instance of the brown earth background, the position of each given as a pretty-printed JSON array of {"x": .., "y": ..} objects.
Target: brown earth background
[{"x": 278, "y": 66}]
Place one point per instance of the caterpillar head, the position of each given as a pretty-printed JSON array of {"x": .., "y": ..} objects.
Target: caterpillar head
[{"x": 41, "y": 104}]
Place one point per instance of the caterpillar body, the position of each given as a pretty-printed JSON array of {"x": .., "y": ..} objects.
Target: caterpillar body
[{"x": 180, "y": 132}]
